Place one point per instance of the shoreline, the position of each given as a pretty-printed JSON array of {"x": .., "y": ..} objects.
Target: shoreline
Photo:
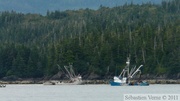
[{"x": 30, "y": 81}]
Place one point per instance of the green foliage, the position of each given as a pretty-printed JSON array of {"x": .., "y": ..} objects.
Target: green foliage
[{"x": 94, "y": 41}]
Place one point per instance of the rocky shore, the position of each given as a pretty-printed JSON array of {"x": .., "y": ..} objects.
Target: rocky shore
[
  {"x": 35, "y": 81},
  {"x": 90, "y": 79}
]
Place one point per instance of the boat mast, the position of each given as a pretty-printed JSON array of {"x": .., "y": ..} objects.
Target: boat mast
[
  {"x": 128, "y": 63},
  {"x": 70, "y": 75},
  {"x": 137, "y": 70}
]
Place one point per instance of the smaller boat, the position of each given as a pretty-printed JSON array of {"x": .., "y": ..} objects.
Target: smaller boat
[
  {"x": 73, "y": 78},
  {"x": 2, "y": 85},
  {"x": 124, "y": 79}
]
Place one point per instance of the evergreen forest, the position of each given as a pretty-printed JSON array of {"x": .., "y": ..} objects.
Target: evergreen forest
[{"x": 93, "y": 41}]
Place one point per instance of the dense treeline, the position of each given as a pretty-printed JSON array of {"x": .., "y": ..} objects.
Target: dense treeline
[{"x": 94, "y": 41}]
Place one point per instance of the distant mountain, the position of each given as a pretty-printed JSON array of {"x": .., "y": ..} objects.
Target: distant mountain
[{"x": 41, "y": 6}]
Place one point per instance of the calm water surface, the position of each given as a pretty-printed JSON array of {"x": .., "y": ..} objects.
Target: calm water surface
[{"x": 79, "y": 92}]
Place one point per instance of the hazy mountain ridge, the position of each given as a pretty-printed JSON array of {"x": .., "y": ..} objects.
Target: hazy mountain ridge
[{"x": 41, "y": 6}]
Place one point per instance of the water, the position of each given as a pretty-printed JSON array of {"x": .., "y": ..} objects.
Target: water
[{"x": 79, "y": 92}]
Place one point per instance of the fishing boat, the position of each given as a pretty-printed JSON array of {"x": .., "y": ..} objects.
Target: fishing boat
[
  {"x": 2, "y": 85},
  {"x": 124, "y": 79},
  {"x": 69, "y": 72}
]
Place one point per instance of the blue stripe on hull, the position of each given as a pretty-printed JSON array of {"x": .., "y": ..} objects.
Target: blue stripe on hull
[
  {"x": 119, "y": 84},
  {"x": 115, "y": 83}
]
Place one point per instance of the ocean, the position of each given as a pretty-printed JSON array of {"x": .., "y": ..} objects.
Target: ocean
[{"x": 40, "y": 92}]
